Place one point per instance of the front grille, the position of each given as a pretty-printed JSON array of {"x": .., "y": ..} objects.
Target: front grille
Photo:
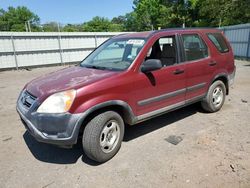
[{"x": 27, "y": 99}]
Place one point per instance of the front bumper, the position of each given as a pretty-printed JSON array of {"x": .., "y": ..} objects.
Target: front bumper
[{"x": 59, "y": 129}]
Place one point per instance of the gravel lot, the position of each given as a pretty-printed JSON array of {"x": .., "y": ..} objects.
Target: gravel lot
[{"x": 214, "y": 149}]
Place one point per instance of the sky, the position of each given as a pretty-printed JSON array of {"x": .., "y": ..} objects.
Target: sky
[{"x": 72, "y": 11}]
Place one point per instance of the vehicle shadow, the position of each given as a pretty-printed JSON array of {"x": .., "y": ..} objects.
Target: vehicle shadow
[
  {"x": 138, "y": 130},
  {"x": 53, "y": 154}
]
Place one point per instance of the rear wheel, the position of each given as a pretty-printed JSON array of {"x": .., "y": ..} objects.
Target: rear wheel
[
  {"x": 103, "y": 135},
  {"x": 215, "y": 97}
]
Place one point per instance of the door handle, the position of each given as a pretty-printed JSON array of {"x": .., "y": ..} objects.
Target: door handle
[
  {"x": 178, "y": 71},
  {"x": 212, "y": 63}
]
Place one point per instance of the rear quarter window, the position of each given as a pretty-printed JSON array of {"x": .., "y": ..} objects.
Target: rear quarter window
[{"x": 218, "y": 41}]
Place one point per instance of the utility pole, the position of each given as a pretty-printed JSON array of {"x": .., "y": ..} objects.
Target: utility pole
[
  {"x": 26, "y": 27},
  {"x": 184, "y": 21},
  {"x": 58, "y": 27},
  {"x": 60, "y": 45},
  {"x": 220, "y": 23},
  {"x": 29, "y": 25}
]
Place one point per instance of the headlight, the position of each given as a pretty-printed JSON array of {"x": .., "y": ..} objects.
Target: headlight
[{"x": 58, "y": 102}]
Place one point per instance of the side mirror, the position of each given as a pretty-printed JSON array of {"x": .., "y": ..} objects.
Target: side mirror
[{"x": 151, "y": 65}]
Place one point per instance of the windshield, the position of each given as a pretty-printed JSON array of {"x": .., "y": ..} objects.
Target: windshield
[{"x": 114, "y": 54}]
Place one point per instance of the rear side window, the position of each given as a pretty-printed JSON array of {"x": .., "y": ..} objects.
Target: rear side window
[
  {"x": 194, "y": 47},
  {"x": 219, "y": 42}
]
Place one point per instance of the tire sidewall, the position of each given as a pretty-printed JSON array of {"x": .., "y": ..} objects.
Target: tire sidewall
[
  {"x": 118, "y": 119},
  {"x": 98, "y": 154}
]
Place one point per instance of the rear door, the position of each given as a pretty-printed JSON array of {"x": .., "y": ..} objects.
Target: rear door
[{"x": 198, "y": 62}]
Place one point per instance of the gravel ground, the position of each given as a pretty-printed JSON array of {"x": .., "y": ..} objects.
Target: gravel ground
[{"x": 185, "y": 148}]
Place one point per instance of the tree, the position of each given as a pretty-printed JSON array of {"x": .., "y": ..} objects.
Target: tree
[
  {"x": 97, "y": 24},
  {"x": 50, "y": 27},
  {"x": 118, "y": 23},
  {"x": 72, "y": 28},
  {"x": 131, "y": 22},
  {"x": 14, "y": 19},
  {"x": 148, "y": 13},
  {"x": 180, "y": 12},
  {"x": 119, "y": 20},
  {"x": 224, "y": 12},
  {"x": 152, "y": 14},
  {"x": 101, "y": 24},
  {"x": 116, "y": 27},
  {"x": 236, "y": 12}
]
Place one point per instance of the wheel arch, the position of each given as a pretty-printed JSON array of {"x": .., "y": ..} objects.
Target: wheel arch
[
  {"x": 121, "y": 107},
  {"x": 224, "y": 78}
]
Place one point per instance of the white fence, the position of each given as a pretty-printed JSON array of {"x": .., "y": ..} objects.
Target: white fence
[{"x": 20, "y": 49}]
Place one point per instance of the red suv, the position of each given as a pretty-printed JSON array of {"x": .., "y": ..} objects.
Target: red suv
[{"x": 128, "y": 79}]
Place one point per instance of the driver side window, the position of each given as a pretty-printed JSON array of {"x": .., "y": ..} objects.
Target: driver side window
[{"x": 164, "y": 49}]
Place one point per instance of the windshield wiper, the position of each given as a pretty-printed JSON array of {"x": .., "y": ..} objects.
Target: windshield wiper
[{"x": 94, "y": 67}]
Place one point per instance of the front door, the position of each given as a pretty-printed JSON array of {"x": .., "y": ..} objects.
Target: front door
[{"x": 163, "y": 89}]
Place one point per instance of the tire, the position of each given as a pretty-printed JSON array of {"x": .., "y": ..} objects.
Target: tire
[
  {"x": 215, "y": 97},
  {"x": 103, "y": 136}
]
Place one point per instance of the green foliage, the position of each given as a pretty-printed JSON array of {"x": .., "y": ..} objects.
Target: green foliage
[
  {"x": 154, "y": 14},
  {"x": 72, "y": 28},
  {"x": 223, "y": 12},
  {"x": 131, "y": 22},
  {"x": 146, "y": 15},
  {"x": 119, "y": 20},
  {"x": 151, "y": 14},
  {"x": 101, "y": 24},
  {"x": 50, "y": 27},
  {"x": 97, "y": 24},
  {"x": 14, "y": 19}
]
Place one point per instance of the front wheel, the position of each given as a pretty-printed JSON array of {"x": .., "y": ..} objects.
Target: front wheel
[
  {"x": 103, "y": 135},
  {"x": 215, "y": 97}
]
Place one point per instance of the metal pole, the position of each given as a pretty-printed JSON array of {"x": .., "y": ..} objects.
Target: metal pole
[
  {"x": 95, "y": 41},
  {"x": 29, "y": 25},
  {"x": 26, "y": 27},
  {"x": 59, "y": 44},
  {"x": 58, "y": 27},
  {"x": 14, "y": 51},
  {"x": 248, "y": 46},
  {"x": 60, "y": 49}
]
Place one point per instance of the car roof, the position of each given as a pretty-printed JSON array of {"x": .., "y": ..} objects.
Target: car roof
[{"x": 147, "y": 34}]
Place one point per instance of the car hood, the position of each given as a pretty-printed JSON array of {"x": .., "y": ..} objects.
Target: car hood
[{"x": 68, "y": 78}]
